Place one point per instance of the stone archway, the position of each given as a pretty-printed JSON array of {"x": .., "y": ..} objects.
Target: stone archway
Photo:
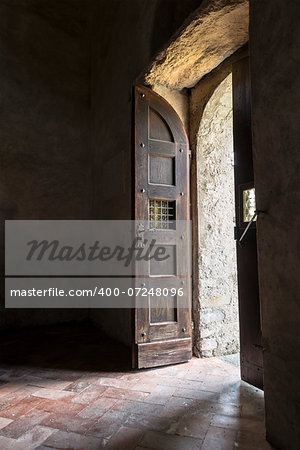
[{"x": 216, "y": 30}]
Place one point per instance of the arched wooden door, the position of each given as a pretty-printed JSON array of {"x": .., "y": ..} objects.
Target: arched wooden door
[{"x": 162, "y": 331}]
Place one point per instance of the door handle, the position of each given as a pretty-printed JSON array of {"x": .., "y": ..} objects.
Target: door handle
[{"x": 256, "y": 213}]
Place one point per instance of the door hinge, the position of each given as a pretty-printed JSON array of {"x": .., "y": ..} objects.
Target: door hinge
[{"x": 236, "y": 234}]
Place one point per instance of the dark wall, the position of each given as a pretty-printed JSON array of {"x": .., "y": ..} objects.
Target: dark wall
[
  {"x": 67, "y": 68},
  {"x": 168, "y": 17},
  {"x": 45, "y": 151},
  {"x": 275, "y": 60},
  {"x": 125, "y": 37},
  {"x": 45, "y": 97}
]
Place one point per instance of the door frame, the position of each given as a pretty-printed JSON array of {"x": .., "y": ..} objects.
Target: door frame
[
  {"x": 210, "y": 82},
  {"x": 213, "y": 80}
]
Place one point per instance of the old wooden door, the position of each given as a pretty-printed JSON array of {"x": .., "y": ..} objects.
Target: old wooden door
[
  {"x": 162, "y": 330},
  {"x": 249, "y": 303}
]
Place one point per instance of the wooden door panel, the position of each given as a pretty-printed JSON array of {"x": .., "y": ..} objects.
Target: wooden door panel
[
  {"x": 249, "y": 302},
  {"x": 163, "y": 330},
  {"x": 162, "y": 170},
  {"x": 161, "y": 192},
  {"x": 162, "y": 148},
  {"x": 165, "y": 352},
  {"x": 158, "y": 127}
]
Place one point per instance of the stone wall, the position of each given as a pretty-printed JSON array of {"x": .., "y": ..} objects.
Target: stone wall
[
  {"x": 213, "y": 33},
  {"x": 219, "y": 330},
  {"x": 200, "y": 96}
]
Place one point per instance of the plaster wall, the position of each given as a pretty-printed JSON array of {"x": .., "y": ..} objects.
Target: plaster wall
[
  {"x": 275, "y": 59},
  {"x": 218, "y": 298}
]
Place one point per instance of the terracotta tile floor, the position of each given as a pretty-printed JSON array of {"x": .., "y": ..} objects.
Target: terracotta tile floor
[{"x": 68, "y": 388}]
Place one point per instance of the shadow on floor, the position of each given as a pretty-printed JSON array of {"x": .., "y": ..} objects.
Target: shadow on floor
[
  {"x": 79, "y": 346},
  {"x": 233, "y": 359}
]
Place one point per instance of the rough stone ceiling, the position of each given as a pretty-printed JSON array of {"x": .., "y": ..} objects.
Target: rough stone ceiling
[{"x": 217, "y": 30}]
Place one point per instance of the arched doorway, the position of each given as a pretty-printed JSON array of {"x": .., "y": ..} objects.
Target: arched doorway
[{"x": 187, "y": 73}]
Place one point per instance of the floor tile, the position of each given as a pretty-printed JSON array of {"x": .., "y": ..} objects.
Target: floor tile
[
  {"x": 125, "y": 394},
  {"x": 77, "y": 386},
  {"x": 67, "y": 423},
  {"x": 219, "y": 439},
  {"x": 194, "y": 425},
  {"x": 125, "y": 439},
  {"x": 60, "y": 406},
  {"x": 149, "y": 422},
  {"x": 90, "y": 394},
  {"x": 4, "y": 422},
  {"x": 138, "y": 407},
  {"x": 160, "y": 441},
  {"x": 238, "y": 423},
  {"x": 33, "y": 437},
  {"x": 20, "y": 408},
  {"x": 74, "y": 441},
  {"x": 97, "y": 408},
  {"x": 251, "y": 441},
  {"x": 21, "y": 425},
  {"x": 53, "y": 394}
]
